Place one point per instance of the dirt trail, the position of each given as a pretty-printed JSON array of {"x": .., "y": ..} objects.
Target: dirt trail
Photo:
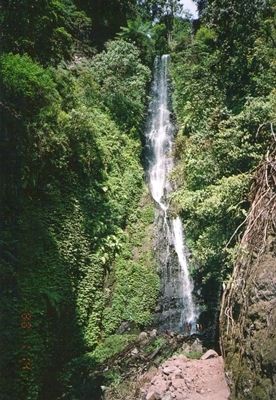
[{"x": 180, "y": 378}]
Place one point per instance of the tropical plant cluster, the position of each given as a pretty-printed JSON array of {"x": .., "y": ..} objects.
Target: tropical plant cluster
[
  {"x": 78, "y": 273},
  {"x": 71, "y": 183},
  {"x": 224, "y": 97}
]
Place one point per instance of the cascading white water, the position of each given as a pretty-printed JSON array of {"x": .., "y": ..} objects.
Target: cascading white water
[{"x": 177, "y": 307}]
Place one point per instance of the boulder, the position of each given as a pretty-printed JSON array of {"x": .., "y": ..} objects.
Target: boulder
[
  {"x": 124, "y": 327},
  {"x": 152, "y": 395},
  {"x": 135, "y": 351},
  {"x": 143, "y": 337},
  {"x": 169, "y": 370},
  {"x": 209, "y": 354},
  {"x": 153, "y": 333},
  {"x": 167, "y": 396}
]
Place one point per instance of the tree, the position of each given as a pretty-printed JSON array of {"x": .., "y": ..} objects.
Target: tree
[
  {"x": 139, "y": 33},
  {"x": 107, "y": 17},
  {"x": 45, "y": 29},
  {"x": 156, "y": 9},
  {"x": 201, "y": 6},
  {"x": 122, "y": 78},
  {"x": 236, "y": 25}
]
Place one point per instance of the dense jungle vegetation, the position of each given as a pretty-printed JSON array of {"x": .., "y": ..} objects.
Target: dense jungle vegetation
[
  {"x": 76, "y": 219},
  {"x": 224, "y": 99}
]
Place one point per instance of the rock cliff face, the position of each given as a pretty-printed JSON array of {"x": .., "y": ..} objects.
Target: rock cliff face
[{"x": 248, "y": 314}]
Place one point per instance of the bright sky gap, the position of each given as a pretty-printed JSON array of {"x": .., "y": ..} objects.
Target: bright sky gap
[{"x": 190, "y": 5}]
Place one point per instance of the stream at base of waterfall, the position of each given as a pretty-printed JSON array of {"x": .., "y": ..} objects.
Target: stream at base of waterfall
[{"x": 176, "y": 310}]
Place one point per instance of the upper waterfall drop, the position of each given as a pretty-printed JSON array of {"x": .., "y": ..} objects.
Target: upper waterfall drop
[
  {"x": 177, "y": 310},
  {"x": 160, "y": 135}
]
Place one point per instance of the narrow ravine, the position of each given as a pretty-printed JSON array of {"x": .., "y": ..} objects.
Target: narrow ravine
[{"x": 177, "y": 310}]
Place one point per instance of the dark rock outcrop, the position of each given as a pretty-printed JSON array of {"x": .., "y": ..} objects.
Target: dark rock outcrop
[{"x": 248, "y": 314}]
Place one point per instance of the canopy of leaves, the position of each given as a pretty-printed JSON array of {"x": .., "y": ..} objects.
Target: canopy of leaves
[
  {"x": 46, "y": 30},
  {"x": 25, "y": 86},
  {"x": 107, "y": 17},
  {"x": 122, "y": 77}
]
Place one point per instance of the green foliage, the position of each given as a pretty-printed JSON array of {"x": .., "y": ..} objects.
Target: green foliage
[
  {"x": 238, "y": 26},
  {"x": 46, "y": 30},
  {"x": 193, "y": 354},
  {"x": 25, "y": 85},
  {"x": 80, "y": 180},
  {"x": 107, "y": 17},
  {"x": 205, "y": 36},
  {"x": 111, "y": 346},
  {"x": 181, "y": 34},
  {"x": 159, "y": 9},
  {"x": 225, "y": 116},
  {"x": 201, "y": 95},
  {"x": 133, "y": 297},
  {"x": 155, "y": 345},
  {"x": 261, "y": 58},
  {"x": 122, "y": 78},
  {"x": 211, "y": 216},
  {"x": 139, "y": 32},
  {"x": 160, "y": 37}
]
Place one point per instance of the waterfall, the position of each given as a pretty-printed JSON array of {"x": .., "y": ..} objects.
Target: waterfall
[{"x": 176, "y": 309}]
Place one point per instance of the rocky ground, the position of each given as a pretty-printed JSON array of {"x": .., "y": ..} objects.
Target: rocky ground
[
  {"x": 181, "y": 378},
  {"x": 167, "y": 367}
]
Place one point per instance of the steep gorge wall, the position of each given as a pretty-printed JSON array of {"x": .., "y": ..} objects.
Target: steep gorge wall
[{"x": 248, "y": 314}]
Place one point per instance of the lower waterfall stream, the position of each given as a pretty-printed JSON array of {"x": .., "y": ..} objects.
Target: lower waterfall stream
[{"x": 177, "y": 311}]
